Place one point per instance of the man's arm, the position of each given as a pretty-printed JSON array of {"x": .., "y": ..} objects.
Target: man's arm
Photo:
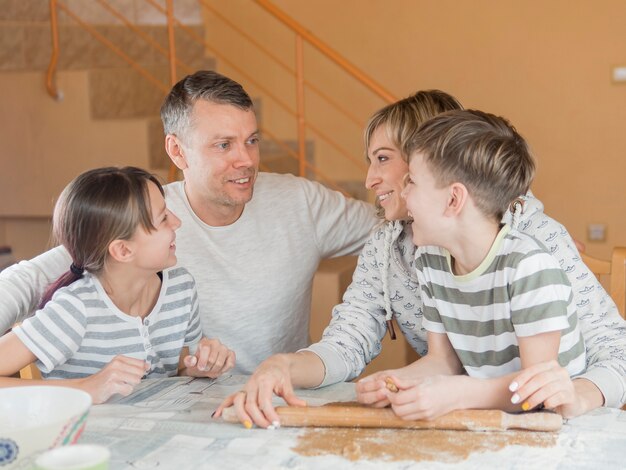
[
  {"x": 23, "y": 284},
  {"x": 341, "y": 224}
]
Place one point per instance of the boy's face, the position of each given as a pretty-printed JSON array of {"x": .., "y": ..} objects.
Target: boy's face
[{"x": 426, "y": 203}]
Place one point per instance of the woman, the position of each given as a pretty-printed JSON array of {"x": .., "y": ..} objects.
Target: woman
[{"x": 384, "y": 287}]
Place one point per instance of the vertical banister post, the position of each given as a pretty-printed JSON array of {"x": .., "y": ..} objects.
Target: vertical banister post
[
  {"x": 52, "y": 67},
  {"x": 300, "y": 105},
  {"x": 169, "y": 5}
]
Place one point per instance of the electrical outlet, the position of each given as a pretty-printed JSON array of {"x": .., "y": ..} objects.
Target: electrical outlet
[{"x": 596, "y": 232}]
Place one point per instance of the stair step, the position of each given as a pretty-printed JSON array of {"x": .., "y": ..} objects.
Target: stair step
[{"x": 28, "y": 46}]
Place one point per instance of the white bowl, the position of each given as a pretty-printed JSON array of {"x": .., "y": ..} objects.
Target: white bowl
[{"x": 37, "y": 418}]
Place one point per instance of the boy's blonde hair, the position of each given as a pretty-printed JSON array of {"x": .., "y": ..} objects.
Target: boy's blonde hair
[{"x": 482, "y": 151}]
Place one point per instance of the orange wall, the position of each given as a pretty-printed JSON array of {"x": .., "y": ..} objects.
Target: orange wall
[{"x": 546, "y": 65}]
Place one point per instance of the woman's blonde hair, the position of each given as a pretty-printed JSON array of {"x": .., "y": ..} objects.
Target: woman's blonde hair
[{"x": 402, "y": 119}]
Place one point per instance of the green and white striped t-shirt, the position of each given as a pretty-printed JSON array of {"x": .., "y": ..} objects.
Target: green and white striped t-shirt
[
  {"x": 518, "y": 290},
  {"x": 81, "y": 330}
]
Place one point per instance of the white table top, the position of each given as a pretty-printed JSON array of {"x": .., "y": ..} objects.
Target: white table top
[{"x": 167, "y": 424}]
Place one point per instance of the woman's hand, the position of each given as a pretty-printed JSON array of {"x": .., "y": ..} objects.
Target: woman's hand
[
  {"x": 211, "y": 359},
  {"x": 253, "y": 404},
  {"x": 121, "y": 375},
  {"x": 550, "y": 384}
]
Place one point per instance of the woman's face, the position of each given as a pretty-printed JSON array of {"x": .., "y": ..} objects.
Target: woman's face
[{"x": 386, "y": 174}]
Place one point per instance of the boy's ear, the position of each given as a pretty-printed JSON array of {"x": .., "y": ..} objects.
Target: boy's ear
[
  {"x": 457, "y": 198},
  {"x": 121, "y": 250},
  {"x": 174, "y": 149}
]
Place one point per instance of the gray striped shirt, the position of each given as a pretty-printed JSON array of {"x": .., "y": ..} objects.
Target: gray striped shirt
[
  {"x": 81, "y": 330},
  {"x": 518, "y": 290}
]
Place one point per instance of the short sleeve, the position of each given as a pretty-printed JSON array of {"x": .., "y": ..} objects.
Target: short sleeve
[{"x": 54, "y": 334}]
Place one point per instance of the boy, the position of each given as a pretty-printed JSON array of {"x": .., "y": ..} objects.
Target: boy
[{"x": 494, "y": 299}]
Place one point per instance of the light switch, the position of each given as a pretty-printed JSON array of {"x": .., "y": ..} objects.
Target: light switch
[
  {"x": 596, "y": 232},
  {"x": 619, "y": 74}
]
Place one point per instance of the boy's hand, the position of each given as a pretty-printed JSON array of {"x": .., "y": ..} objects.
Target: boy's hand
[
  {"x": 423, "y": 398},
  {"x": 374, "y": 389},
  {"x": 121, "y": 375},
  {"x": 211, "y": 359}
]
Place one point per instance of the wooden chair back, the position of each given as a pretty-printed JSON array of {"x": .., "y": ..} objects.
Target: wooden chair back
[{"x": 616, "y": 269}]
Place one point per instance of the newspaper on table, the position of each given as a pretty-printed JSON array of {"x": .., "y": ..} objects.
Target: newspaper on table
[{"x": 167, "y": 423}]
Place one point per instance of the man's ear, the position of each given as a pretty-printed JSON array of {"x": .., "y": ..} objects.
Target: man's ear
[
  {"x": 121, "y": 250},
  {"x": 174, "y": 149},
  {"x": 457, "y": 198}
]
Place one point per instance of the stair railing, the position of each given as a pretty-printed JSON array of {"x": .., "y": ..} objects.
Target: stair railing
[{"x": 301, "y": 35}]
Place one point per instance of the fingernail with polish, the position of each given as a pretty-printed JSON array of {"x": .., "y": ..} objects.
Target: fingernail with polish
[
  {"x": 513, "y": 386},
  {"x": 515, "y": 399},
  {"x": 276, "y": 424}
]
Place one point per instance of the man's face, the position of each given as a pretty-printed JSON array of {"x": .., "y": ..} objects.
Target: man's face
[{"x": 221, "y": 155}]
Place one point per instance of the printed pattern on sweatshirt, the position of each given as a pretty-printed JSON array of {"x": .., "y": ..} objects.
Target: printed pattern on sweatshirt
[
  {"x": 602, "y": 327},
  {"x": 517, "y": 291},
  {"x": 353, "y": 337},
  {"x": 80, "y": 330}
]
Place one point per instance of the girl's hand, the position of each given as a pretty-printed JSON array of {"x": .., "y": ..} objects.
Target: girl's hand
[
  {"x": 253, "y": 404},
  {"x": 211, "y": 359},
  {"x": 550, "y": 384},
  {"x": 121, "y": 375}
]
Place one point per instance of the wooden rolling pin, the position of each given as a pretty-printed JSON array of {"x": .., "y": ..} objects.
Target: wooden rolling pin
[{"x": 357, "y": 416}]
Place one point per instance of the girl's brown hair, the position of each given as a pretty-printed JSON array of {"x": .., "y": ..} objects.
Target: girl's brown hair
[{"x": 96, "y": 208}]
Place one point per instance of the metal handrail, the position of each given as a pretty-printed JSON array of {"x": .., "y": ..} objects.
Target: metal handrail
[
  {"x": 301, "y": 35},
  {"x": 91, "y": 30},
  {"x": 224, "y": 58},
  {"x": 145, "y": 36},
  {"x": 54, "y": 58},
  {"x": 326, "y": 50},
  {"x": 358, "y": 122}
]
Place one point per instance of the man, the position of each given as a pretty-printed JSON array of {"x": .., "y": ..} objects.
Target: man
[{"x": 253, "y": 258}]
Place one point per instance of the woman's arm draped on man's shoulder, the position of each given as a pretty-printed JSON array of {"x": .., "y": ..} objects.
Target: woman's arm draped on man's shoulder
[{"x": 23, "y": 284}]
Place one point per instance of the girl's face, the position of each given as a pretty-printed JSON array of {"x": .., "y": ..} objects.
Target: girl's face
[
  {"x": 386, "y": 174},
  {"x": 156, "y": 249}
]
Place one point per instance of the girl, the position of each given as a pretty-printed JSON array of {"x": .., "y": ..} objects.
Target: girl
[{"x": 118, "y": 314}]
